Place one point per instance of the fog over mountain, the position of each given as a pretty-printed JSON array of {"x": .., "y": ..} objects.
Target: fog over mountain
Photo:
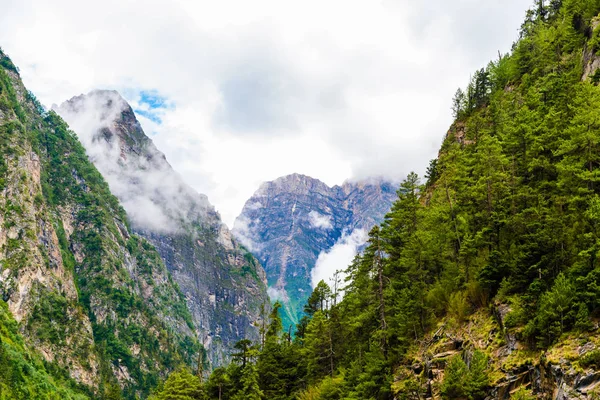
[
  {"x": 304, "y": 231},
  {"x": 223, "y": 284},
  {"x": 336, "y": 91}
]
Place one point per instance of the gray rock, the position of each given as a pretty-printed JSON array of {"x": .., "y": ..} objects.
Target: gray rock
[{"x": 289, "y": 222}]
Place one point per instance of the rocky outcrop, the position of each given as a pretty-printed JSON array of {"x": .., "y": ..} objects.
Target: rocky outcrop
[
  {"x": 31, "y": 263},
  {"x": 591, "y": 59},
  {"x": 289, "y": 222},
  {"x": 566, "y": 370},
  {"x": 224, "y": 286}
]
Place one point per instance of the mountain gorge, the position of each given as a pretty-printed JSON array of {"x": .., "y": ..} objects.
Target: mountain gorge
[
  {"x": 477, "y": 281},
  {"x": 223, "y": 284},
  {"x": 292, "y": 221}
]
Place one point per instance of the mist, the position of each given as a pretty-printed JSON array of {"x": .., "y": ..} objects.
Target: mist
[
  {"x": 154, "y": 196},
  {"x": 338, "y": 257}
]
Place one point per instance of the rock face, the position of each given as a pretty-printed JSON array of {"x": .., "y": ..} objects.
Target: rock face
[
  {"x": 223, "y": 284},
  {"x": 566, "y": 370},
  {"x": 90, "y": 296},
  {"x": 289, "y": 222}
]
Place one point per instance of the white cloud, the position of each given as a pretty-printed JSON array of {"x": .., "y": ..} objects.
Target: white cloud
[
  {"x": 338, "y": 257},
  {"x": 318, "y": 220},
  {"x": 277, "y": 294},
  {"x": 243, "y": 233},
  {"x": 335, "y": 90},
  {"x": 154, "y": 196}
]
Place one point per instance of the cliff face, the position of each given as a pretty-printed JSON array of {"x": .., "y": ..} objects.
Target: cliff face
[
  {"x": 223, "y": 284},
  {"x": 289, "y": 222},
  {"x": 89, "y": 295}
]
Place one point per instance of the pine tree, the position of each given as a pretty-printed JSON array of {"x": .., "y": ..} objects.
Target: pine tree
[
  {"x": 181, "y": 385},
  {"x": 250, "y": 389},
  {"x": 453, "y": 386},
  {"x": 478, "y": 377}
]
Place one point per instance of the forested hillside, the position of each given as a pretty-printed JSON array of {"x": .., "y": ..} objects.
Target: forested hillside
[
  {"x": 482, "y": 281},
  {"x": 86, "y": 306}
]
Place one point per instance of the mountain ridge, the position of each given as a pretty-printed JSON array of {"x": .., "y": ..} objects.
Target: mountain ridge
[
  {"x": 223, "y": 284},
  {"x": 290, "y": 221},
  {"x": 88, "y": 296}
]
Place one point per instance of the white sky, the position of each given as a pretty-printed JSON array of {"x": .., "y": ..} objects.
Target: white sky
[{"x": 254, "y": 90}]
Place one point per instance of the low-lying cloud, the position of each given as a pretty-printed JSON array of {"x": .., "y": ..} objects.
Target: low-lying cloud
[
  {"x": 261, "y": 89},
  {"x": 243, "y": 233},
  {"x": 277, "y": 294},
  {"x": 338, "y": 257},
  {"x": 318, "y": 220}
]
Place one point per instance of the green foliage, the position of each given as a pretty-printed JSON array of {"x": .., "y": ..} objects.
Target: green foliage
[
  {"x": 219, "y": 384},
  {"x": 317, "y": 301},
  {"x": 23, "y": 374},
  {"x": 556, "y": 312},
  {"x": 180, "y": 385},
  {"x": 250, "y": 389},
  {"x": 462, "y": 381},
  {"x": 49, "y": 317},
  {"x": 590, "y": 359},
  {"x": 328, "y": 389},
  {"x": 454, "y": 385},
  {"x": 6, "y": 63},
  {"x": 523, "y": 394},
  {"x": 478, "y": 378}
]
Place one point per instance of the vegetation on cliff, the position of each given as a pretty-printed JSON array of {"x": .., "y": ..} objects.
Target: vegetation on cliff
[{"x": 94, "y": 300}]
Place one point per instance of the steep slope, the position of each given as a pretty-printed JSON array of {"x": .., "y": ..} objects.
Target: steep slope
[
  {"x": 91, "y": 297},
  {"x": 23, "y": 373},
  {"x": 222, "y": 283},
  {"x": 289, "y": 222}
]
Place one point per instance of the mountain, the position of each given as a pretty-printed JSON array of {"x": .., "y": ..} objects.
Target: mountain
[
  {"x": 87, "y": 306},
  {"x": 292, "y": 220},
  {"x": 223, "y": 284}
]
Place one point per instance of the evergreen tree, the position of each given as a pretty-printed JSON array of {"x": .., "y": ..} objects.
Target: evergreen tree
[
  {"x": 453, "y": 386},
  {"x": 250, "y": 389},
  {"x": 181, "y": 385}
]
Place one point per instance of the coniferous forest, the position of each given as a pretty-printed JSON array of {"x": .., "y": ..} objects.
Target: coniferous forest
[{"x": 495, "y": 247}]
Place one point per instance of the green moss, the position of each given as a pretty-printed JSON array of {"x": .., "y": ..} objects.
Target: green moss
[{"x": 591, "y": 359}]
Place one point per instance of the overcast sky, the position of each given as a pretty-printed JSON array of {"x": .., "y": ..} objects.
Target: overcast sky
[{"x": 237, "y": 92}]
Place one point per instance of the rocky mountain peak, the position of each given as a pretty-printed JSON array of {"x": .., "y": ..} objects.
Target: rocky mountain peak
[
  {"x": 293, "y": 183},
  {"x": 292, "y": 220},
  {"x": 223, "y": 284}
]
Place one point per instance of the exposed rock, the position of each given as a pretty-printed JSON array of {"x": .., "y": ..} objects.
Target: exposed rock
[
  {"x": 591, "y": 60},
  {"x": 559, "y": 379},
  {"x": 288, "y": 222},
  {"x": 74, "y": 278}
]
